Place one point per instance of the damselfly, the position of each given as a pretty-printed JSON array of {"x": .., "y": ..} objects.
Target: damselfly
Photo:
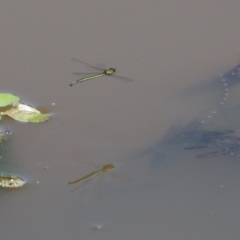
[{"x": 101, "y": 73}]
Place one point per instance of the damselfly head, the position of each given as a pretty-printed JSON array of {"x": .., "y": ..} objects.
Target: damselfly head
[
  {"x": 110, "y": 71},
  {"x": 108, "y": 167}
]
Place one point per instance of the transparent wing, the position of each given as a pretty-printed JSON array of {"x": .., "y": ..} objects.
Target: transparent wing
[
  {"x": 122, "y": 79},
  {"x": 81, "y": 63},
  {"x": 121, "y": 176},
  {"x": 86, "y": 73},
  {"x": 80, "y": 184},
  {"x": 100, "y": 68},
  {"x": 97, "y": 186}
]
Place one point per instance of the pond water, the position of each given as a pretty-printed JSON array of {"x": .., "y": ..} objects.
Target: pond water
[{"x": 174, "y": 51}]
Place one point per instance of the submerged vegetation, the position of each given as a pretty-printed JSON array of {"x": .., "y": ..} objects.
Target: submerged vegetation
[{"x": 215, "y": 135}]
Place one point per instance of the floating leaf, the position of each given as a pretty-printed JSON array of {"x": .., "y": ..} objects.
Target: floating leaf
[
  {"x": 25, "y": 113},
  {"x": 9, "y": 181},
  {"x": 7, "y": 99}
]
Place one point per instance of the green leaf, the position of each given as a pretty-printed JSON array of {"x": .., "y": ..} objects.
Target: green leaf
[
  {"x": 25, "y": 113},
  {"x": 7, "y": 99}
]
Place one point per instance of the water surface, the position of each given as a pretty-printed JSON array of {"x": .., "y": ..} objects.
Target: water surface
[{"x": 166, "y": 47}]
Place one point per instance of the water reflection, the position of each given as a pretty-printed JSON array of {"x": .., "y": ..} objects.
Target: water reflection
[{"x": 89, "y": 176}]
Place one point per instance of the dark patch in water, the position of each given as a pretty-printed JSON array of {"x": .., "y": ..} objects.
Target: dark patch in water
[{"x": 196, "y": 136}]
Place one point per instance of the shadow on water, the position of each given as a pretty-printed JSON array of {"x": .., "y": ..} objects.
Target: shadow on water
[{"x": 217, "y": 136}]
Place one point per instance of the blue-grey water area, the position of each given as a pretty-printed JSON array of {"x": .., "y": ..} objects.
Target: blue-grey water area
[{"x": 172, "y": 133}]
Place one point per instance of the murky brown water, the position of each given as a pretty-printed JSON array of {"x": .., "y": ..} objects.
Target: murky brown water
[{"x": 166, "y": 47}]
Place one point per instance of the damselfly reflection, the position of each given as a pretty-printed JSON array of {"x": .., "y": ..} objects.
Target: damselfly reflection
[
  {"x": 89, "y": 176},
  {"x": 98, "y": 177},
  {"x": 101, "y": 73}
]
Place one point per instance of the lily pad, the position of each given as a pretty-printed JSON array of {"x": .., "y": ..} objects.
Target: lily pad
[
  {"x": 8, "y": 99},
  {"x": 25, "y": 113}
]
